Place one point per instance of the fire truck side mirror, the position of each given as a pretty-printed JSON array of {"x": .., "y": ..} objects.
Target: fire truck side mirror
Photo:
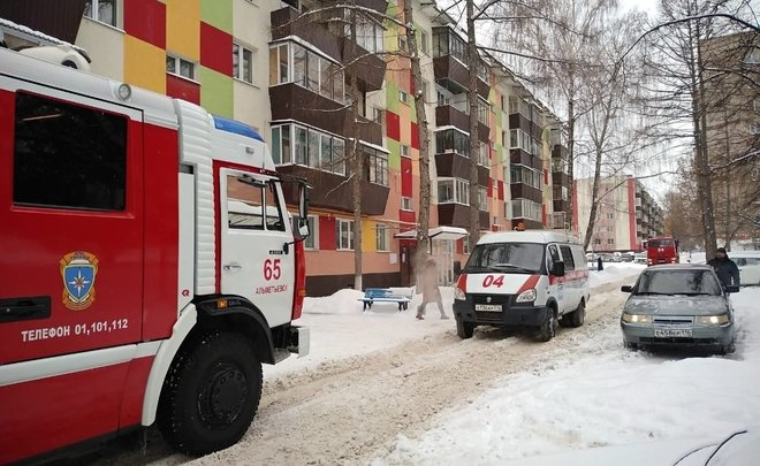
[{"x": 303, "y": 201}]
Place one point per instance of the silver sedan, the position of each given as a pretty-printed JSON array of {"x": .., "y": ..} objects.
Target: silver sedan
[{"x": 679, "y": 305}]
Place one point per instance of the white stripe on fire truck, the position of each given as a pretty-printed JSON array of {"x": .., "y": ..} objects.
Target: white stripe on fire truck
[{"x": 28, "y": 371}]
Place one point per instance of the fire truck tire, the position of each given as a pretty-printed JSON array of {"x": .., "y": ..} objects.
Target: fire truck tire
[{"x": 211, "y": 393}]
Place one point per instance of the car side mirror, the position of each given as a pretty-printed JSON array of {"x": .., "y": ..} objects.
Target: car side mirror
[
  {"x": 558, "y": 269},
  {"x": 732, "y": 288},
  {"x": 457, "y": 268},
  {"x": 626, "y": 289}
]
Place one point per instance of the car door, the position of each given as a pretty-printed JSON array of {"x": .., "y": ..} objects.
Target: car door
[
  {"x": 71, "y": 230},
  {"x": 257, "y": 257},
  {"x": 570, "y": 282}
]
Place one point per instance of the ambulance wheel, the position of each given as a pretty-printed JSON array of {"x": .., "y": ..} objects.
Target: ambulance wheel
[
  {"x": 211, "y": 393},
  {"x": 548, "y": 328},
  {"x": 465, "y": 329},
  {"x": 577, "y": 317}
]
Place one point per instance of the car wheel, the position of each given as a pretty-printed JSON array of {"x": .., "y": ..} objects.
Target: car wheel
[
  {"x": 577, "y": 317},
  {"x": 465, "y": 329},
  {"x": 211, "y": 393},
  {"x": 548, "y": 328},
  {"x": 728, "y": 349}
]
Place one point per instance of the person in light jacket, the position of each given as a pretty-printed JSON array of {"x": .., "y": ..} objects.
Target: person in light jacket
[{"x": 427, "y": 283}]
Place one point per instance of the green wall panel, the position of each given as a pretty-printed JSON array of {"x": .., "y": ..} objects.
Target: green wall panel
[{"x": 216, "y": 92}]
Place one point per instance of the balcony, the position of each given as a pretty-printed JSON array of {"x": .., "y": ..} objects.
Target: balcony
[
  {"x": 520, "y": 121},
  {"x": 331, "y": 191},
  {"x": 525, "y": 191},
  {"x": 561, "y": 206},
  {"x": 561, "y": 179},
  {"x": 451, "y": 164},
  {"x": 559, "y": 220},
  {"x": 448, "y": 115},
  {"x": 293, "y": 102},
  {"x": 520, "y": 157},
  {"x": 458, "y": 215},
  {"x": 454, "y": 76},
  {"x": 369, "y": 68},
  {"x": 560, "y": 152}
]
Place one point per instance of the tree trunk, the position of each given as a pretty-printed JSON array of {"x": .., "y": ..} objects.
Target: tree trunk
[
  {"x": 704, "y": 180},
  {"x": 473, "y": 62},
  {"x": 595, "y": 200},
  {"x": 357, "y": 159},
  {"x": 571, "y": 157},
  {"x": 423, "y": 226}
]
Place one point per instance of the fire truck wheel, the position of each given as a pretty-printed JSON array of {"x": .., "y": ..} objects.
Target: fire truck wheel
[{"x": 211, "y": 393}]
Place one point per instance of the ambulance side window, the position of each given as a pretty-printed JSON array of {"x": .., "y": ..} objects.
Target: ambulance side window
[
  {"x": 567, "y": 255},
  {"x": 67, "y": 156},
  {"x": 552, "y": 257},
  {"x": 244, "y": 205}
]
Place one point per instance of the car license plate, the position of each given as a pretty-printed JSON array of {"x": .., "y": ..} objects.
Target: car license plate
[
  {"x": 672, "y": 333},
  {"x": 488, "y": 307}
]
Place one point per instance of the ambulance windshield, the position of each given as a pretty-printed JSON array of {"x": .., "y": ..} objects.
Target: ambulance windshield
[{"x": 519, "y": 258}]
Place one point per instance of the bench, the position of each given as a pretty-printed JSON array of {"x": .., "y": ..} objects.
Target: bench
[{"x": 382, "y": 295}]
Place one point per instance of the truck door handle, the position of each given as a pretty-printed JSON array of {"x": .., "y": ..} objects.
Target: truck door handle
[
  {"x": 232, "y": 266},
  {"x": 18, "y": 309}
]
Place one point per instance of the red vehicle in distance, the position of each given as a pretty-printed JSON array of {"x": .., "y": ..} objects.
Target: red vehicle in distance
[{"x": 662, "y": 250}]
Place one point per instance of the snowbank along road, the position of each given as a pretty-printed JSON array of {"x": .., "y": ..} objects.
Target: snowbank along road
[{"x": 350, "y": 411}]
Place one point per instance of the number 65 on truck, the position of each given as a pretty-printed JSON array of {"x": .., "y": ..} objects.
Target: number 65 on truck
[{"x": 149, "y": 265}]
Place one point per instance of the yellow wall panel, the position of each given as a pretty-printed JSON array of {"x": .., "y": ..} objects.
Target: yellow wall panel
[
  {"x": 183, "y": 28},
  {"x": 368, "y": 236},
  {"x": 144, "y": 65}
]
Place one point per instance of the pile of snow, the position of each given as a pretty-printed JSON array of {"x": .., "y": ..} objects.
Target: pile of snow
[
  {"x": 612, "y": 397},
  {"x": 614, "y": 272}
]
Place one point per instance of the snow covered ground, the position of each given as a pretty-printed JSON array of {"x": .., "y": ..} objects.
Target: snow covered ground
[
  {"x": 340, "y": 329},
  {"x": 608, "y": 396}
]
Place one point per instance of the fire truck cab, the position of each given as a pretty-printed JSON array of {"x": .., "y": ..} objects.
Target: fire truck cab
[{"x": 148, "y": 265}]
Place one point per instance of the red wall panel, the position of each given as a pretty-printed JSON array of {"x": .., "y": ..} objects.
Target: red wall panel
[
  {"x": 407, "y": 186},
  {"x": 146, "y": 20},
  {"x": 216, "y": 49},
  {"x": 327, "y": 233},
  {"x": 394, "y": 126},
  {"x": 406, "y": 216},
  {"x": 184, "y": 89},
  {"x": 501, "y": 190}
]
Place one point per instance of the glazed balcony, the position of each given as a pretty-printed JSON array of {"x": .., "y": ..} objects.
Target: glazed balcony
[{"x": 449, "y": 115}]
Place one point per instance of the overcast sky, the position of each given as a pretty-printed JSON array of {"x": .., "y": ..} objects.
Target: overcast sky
[{"x": 650, "y": 6}]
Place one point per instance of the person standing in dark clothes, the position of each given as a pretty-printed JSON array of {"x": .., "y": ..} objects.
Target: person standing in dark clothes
[
  {"x": 599, "y": 263},
  {"x": 725, "y": 268}
]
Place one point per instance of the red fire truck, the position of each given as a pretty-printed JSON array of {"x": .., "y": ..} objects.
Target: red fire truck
[
  {"x": 662, "y": 250},
  {"x": 148, "y": 265}
]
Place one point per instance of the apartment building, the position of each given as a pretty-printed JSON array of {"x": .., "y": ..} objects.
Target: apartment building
[
  {"x": 283, "y": 66},
  {"x": 627, "y": 214},
  {"x": 732, "y": 100}
]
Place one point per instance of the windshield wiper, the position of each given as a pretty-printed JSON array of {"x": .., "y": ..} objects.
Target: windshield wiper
[{"x": 512, "y": 267}]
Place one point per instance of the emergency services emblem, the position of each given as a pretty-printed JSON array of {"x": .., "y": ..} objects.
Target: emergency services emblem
[{"x": 78, "y": 270}]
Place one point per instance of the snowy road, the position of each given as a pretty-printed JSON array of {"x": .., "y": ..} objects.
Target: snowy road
[{"x": 348, "y": 405}]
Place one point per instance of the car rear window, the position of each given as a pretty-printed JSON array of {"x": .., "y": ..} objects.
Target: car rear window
[{"x": 678, "y": 282}]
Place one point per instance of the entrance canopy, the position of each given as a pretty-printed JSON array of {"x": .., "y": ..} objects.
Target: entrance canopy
[{"x": 444, "y": 233}]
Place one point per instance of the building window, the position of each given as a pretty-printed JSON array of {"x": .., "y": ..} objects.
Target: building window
[
  {"x": 406, "y": 204},
  {"x": 381, "y": 237},
  {"x": 519, "y": 139},
  {"x": 424, "y": 42},
  {"x": 67, "y": 156},
  {"x": 369, "y": 33},
  {"x": 483, "y": 198},
  {"x": 402, "y": 46},
  {"x": 483, "y": 155},
  {"x": 180, "y": 67},
  {"x": 452, "y": 140},
  {"x": 344, "y": 235},
  {"x": 524, "y": 208},
  {"x": 453, "y": 191},
  {"x": 403, "y": 96},
  {"x": 610, "y": 241},
  {"x": 242, "y": 63},
  {"x": 312, "y": 241},
  {"x": 309, "y": 70},
  {"x": 524, "y": 175},
  {"x": 404, "y": 150},
  {"x": 310, "y": 148},
  {"x": 610, "y": 216},
  {"x": 376, "y": 165},
  {"x": 103, "y": 11}
]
